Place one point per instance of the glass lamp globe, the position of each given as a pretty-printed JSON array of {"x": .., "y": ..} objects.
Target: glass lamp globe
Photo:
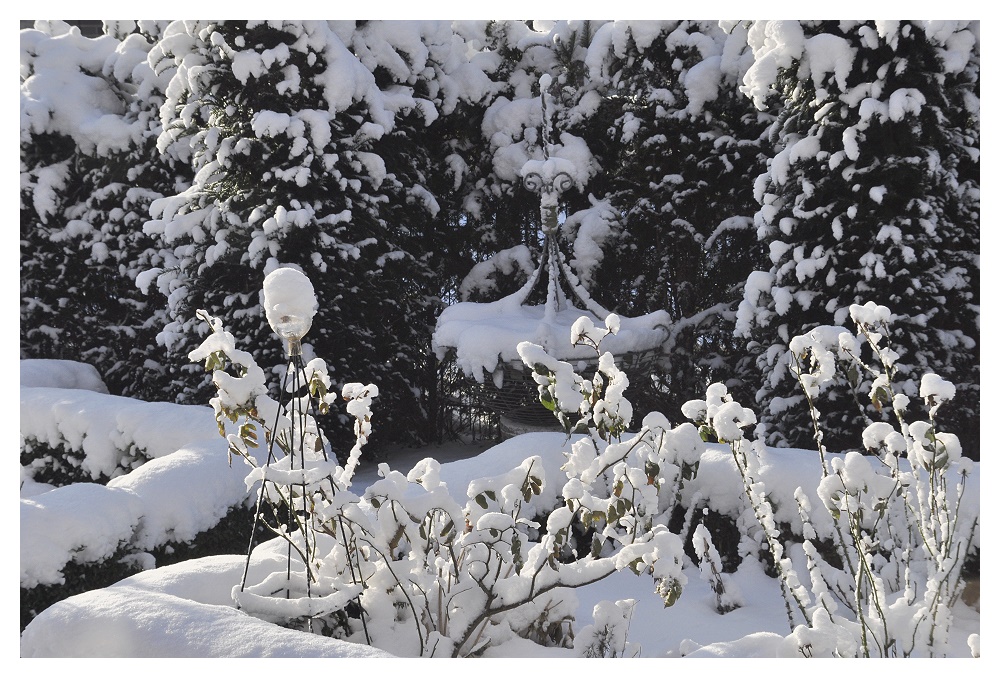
[{"x": 292, "y": 328}]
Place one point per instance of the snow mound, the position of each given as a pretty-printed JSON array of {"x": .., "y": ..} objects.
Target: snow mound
[
  {"x": 127, "y": 622},
  {"x": 755, "y": 645},
  {"x": 61, "y": 374},
  {"x": 551, "y": 447}
]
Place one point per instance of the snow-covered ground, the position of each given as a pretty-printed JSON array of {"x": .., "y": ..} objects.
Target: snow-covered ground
[{"x": 187, "y": 609}]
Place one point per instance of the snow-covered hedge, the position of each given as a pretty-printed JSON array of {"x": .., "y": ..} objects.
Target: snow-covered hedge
[
  {"x": 155, "y": 475},
  {"x": 98, "y": 436}
]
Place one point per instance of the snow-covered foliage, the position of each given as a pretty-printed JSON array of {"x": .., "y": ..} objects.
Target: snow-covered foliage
[
  {"x": 901, "y": 528},
  {"x": 736, "y": 191},
  {"x": 236, "y": 145},
  {"x": 399, "y": 536},
  {"x": 872, "y": 194},
  {"x": 406, "y": 567},
  {"x": 385, "y": 160}
]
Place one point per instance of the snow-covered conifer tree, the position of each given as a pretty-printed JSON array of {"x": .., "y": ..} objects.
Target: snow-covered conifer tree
[
  {"x": 302, "y": 135},
  {"x": 872, "y": 194},
  {"x": 89, "y": 172},
  {"x": 678, "y": 231}
]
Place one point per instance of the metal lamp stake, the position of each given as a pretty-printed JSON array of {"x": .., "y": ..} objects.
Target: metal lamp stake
[{"x": 290, "y": 403}]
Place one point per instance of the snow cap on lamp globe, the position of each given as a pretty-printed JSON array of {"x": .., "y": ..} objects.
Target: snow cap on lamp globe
[{"x": 289, "y": 302}]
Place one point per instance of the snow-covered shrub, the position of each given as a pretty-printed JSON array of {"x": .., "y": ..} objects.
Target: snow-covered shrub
[
  {"x": 901, "y": 535},
  {"x": 78, "y": 577},
  {"x": 74, "y": 436},
  {"x": 720, "y": 417},
  {"x": 887, "y": 580},
  {"x": 624, "y": 488},
  {"x": 727, "y": 596},
  {"x": 77, "y": 435},
  {"x": 405, "y": 567},
  {"x": 74, "y": 539},
  {"x": 608, "y": 635}
]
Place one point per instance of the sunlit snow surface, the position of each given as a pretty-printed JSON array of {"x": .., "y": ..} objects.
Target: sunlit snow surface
[{"x": 186, "y": 609}]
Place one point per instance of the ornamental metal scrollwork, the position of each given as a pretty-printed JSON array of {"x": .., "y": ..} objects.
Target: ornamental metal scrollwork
[{"x": 560, "y": 182}]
